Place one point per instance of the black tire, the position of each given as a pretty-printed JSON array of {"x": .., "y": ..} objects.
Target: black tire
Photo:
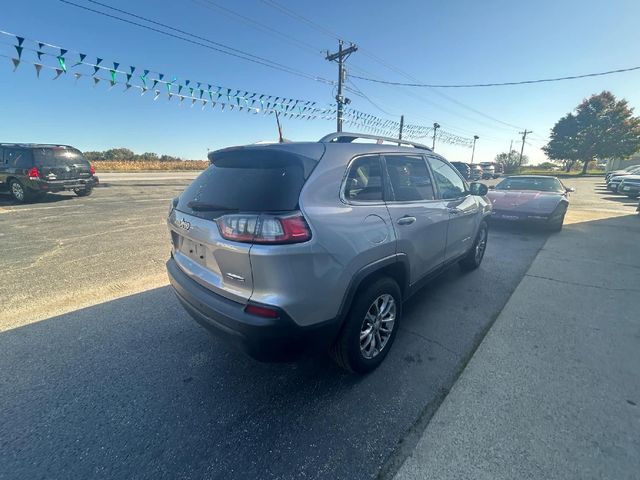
[
  {"x": 556, "y": 221},
  {"x": 83, "y": 192},
  {"x": 346, "y": 350},
  {"x": 473, "y": 259},
  {"x": 18, "y": 192}
]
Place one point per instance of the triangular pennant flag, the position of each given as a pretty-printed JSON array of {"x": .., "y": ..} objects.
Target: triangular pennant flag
[
  {"x": 129, "y": 75},
  {"x": 40, "y": 45},
  {"x": 161, "y": 76},
  {"x": 193, "y": 102},
  {"x": 127, "y": 86},
  {"x": 62, "y": 63},
  {"x": 180, "y": 87},
  {"x": 222, "y": 107},
  {"x": 213, "y": 104},
  {"x": 59, "y": 72},
  {"x": 204, "y": 104},
  {"x": 113, "y": 75},
  {"x": 157, "y": 92},
  {"x": 77, "y": 75},
  {"x": 16, "y": 62},
  {"x": 98, "y": 61},
  {"x": 113, "y": 84},
  {"x": 181, "y": 97},
  {"x": 240, "y": 108},
  {"x": 115, "y": 65},
  {"x": 96, "y": 81},
  {"x": 144, "y": 90},
  {"x": 38, "y": 67},
  {"x": 187, "y": 82},
  {"x": 63, "y": 52},
  {"x": 155, "y": 82},
  {"x": 95, "y": 69},
  {"x": 19, "y": 50},
  {"x": 132, "y": 69},
  {"x": 170, "y": 95},
  {"x": 231, "y": 106},
  {"x": 20, "y": 40},
  {"x": 39, "y": 54}
]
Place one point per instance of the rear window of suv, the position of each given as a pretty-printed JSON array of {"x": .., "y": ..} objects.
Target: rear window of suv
[
  {"x": 58, "y": 156},
  {"x": 247, "y": 180}
]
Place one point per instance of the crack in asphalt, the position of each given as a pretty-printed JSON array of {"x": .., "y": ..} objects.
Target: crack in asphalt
[
  {"x": 577, "y": 284},
  {"x": 427, "y": 339}
]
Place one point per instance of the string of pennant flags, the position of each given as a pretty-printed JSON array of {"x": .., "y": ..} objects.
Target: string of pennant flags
[{"x": 45, "y": 57}]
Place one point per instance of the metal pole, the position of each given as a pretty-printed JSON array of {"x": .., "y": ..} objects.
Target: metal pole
[
  {"x": 401, "y": 127},
  {"x": 473, "y": 151},
  {"x": 436, "y": 126}
]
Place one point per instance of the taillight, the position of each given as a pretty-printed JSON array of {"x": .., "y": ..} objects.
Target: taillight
[
  {"x": 92, "y": 170},
  {"x": 265, "y": 229},
  {"x": 33, "y": 173},
  {"x": 261, "y": 311}
]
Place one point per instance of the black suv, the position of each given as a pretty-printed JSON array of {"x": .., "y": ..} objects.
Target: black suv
[
  {"x": 28, "y": 170},
  {"x": 463, "y": 168}
]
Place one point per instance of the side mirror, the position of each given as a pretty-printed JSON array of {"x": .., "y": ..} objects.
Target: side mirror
[
  {"x": 570, "y": 189},
  {"x": 492, "y": 187},
  {"x": 476, "y": 188}
]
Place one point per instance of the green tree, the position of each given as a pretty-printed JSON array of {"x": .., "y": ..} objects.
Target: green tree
[
  {"x": 511, "y": 161},
  {"x": 600, "y": 127},
  {"x": 546, "y": 166}
]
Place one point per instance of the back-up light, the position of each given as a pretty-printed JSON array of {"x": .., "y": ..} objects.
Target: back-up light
[{"x": 264, "y": 228}]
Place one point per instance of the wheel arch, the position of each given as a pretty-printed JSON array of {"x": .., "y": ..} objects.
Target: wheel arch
[{"x": 395, "y": 267}]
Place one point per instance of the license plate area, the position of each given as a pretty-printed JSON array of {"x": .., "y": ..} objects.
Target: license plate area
[{"x": 194, "y": 250}]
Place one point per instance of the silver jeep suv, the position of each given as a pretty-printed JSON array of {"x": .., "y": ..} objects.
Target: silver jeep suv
[{"x": 284, "y": 249}]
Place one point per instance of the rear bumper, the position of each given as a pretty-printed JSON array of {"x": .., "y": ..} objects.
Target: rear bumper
[
  {"x": 265, "y": 339},
  {"x": 61, "y": 185},
  {"x": 631, "y": 190}
]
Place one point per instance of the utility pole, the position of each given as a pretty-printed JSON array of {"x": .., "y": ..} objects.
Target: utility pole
[
  {"x": 341, "y": 55},
  {"x": 508, "y": 157},
  {"x": 436, "y": 126},
  {"x": 473, "y": 152},
  {"x": 524, "y": 137},
  {"x": 401, "y": 127}
]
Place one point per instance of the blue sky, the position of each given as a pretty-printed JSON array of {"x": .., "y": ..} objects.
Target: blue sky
[{"x": 444, "y": 42}]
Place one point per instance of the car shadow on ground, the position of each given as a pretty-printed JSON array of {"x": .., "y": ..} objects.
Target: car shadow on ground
[
  {"x": 6, "y": 200},
  {"x": 134, "y": 387}
]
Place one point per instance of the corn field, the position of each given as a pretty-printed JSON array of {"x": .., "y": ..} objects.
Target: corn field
[{"x": 140, "y": 166}]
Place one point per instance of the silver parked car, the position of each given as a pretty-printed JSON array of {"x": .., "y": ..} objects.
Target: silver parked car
[{"x": 284, "y": 249}]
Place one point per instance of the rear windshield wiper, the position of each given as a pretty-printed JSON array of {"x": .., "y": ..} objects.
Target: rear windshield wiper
[{"x": 209, "y": 207}]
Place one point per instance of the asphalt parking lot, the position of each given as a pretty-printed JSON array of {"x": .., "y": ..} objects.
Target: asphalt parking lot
[{"x": 133, "y": 387}]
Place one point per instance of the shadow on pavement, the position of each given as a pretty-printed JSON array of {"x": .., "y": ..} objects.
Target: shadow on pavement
[{"x": 134, "y": 387}]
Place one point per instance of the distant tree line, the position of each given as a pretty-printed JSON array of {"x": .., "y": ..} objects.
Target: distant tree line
[{"x": 126, "y": 155}]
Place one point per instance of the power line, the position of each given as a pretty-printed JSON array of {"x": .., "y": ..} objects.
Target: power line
[
  {"x": 241, "y": 54},
  {"x": 500, "y": 84},
  {"x": 380, "y": 60},
  {"x": 314, "y": 25},
  {"x": 260, "y": 26}
]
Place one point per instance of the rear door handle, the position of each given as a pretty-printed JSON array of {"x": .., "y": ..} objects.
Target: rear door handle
[
  {"x": 406, "y": 220},
  {"x": 455, "y": 211}
]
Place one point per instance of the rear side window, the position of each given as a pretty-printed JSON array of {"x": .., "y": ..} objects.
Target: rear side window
[
  {"x": 18, "y": 157},
  {"x": 409, "y": 178},
  {"x": 364, "y": 180},
  {"x": 449, "y": 182},
  {"x": 58, "y": 156},
  {"x": 247, "y": 181}
]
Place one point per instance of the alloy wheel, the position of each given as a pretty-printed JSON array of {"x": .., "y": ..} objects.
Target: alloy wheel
[
  {"x": 377, "y": 326},
  {"x": 17, "y": 191},
  {"x": 481, "y": 246}
]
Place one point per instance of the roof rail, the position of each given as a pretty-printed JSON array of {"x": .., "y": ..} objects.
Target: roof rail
[{"x": 346, "y": 137}]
